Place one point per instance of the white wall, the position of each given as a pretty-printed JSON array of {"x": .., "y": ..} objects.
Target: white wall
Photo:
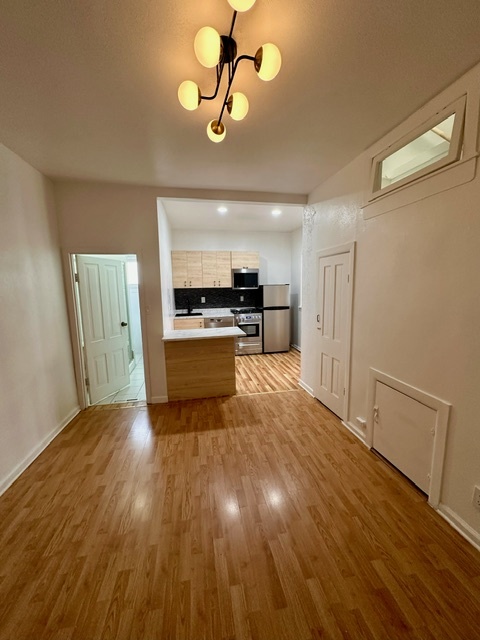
[
  {"x": 106, "y": 218},
  {"x": 37, "y": 386},
  {"x": 165, "y": 243},
  {"x": 296, "y": 282},
  {"x": 416, "y": 302},
  {"x": 274, "y": 249}
]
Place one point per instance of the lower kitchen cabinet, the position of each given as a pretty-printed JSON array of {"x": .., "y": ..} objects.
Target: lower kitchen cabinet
[{"x": 188, "y": 323}]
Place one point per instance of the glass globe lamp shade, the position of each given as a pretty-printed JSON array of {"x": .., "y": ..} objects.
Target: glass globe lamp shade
[
  {"x": 268, "y": 61},
  {"x": 237, "y": 106},
  {"x": 216, "y": 132},
  {"x": 241, "y": 5},
  {"x": 189, "y": 95},
  {"x": 207, "y": 47}
]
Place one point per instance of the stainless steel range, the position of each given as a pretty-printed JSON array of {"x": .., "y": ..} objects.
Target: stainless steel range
[{"x": 248, "y": 320}]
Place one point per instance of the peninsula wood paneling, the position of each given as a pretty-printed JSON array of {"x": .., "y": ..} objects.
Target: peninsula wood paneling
[{"x": 200, "y": 368}]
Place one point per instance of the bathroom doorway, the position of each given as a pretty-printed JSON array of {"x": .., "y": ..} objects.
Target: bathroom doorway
[{"x": 108, "y": 308}]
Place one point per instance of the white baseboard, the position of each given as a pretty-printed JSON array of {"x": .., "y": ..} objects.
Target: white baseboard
[
  {"x": 355, "y": 430},
  {"x": 460, "y": 525},
  {"x": 9, "y": 479},
  {"x": 306, "y": 388},
  {"x": 159, "y": 399}
]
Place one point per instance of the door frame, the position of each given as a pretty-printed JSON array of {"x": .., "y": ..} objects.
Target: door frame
[
  {"x": 75, "y": 320},
  {"x": 349, "y": 248}
]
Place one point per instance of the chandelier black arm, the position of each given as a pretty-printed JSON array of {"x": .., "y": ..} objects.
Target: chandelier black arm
[
  {"x": 222, "y": 65},
  {"x": 244, "y": 57}
]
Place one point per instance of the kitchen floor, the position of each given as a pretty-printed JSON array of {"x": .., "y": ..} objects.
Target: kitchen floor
[
  {"x": 267, "y": 372},
  {"x": 135, "y": 392}
]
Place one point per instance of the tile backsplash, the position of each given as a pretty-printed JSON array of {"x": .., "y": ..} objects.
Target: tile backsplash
[{"x": 217, "y": 298}]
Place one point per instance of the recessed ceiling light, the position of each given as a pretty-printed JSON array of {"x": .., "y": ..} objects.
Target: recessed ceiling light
[
  {"x": 222, "y": 210},
  {"x": 276, "y": 212}
]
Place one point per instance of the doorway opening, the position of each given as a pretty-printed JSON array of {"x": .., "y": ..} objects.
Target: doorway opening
[{"x": 108, "y": 310}]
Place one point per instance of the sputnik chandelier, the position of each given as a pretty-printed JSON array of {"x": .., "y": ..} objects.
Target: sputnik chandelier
[{"x": 214, "y": 50}]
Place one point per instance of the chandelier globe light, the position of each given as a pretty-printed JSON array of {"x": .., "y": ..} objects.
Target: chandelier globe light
[
  {"x": 237, "y": 106},
  {"x": 216, "y": 131},
  {"x": 241, "y": 5},
  {"x": 189, "y": 95},
  {"x": 268, "y": 61},
  {"x": 220, "y": 51},
  {"x": 207, "y": 45}
]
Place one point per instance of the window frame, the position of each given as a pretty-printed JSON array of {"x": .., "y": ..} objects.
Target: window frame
[{"x": 458, "y": 108}]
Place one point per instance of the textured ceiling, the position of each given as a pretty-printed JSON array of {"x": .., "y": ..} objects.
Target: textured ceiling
[{"x": 88, "y": 87}]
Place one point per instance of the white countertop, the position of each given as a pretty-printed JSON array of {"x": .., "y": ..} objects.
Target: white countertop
[{"x": 202, "y": 334}]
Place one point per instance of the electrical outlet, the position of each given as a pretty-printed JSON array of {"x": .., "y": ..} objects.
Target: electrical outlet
[
  {"x": 242, "y": 298},
  {"x": 476, "y": 497},
  {"x": 202, "y": 300},
  {"x": 362, "y": 423}
]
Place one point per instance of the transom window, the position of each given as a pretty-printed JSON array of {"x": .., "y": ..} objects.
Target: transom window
[{"x": 435, "y": 144}]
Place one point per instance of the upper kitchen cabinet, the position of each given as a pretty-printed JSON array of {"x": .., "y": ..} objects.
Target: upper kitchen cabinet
[
  {"x": 245, "y": 260},
  {"x": 217, "y": 269},
  {"x": 187, "y": 269}
]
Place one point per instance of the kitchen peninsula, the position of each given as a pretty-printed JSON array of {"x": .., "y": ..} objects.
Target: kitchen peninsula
[{"x": 200, "y": 363}]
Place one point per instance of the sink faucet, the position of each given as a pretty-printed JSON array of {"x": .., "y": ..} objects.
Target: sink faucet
[{"x": 189, "y": 306}]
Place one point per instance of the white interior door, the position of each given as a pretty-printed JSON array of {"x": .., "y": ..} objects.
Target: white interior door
[
  {"x": 103, "y": 304},
  {"x": 333, "y": 326},
  {"x": 403, "y": 432}
]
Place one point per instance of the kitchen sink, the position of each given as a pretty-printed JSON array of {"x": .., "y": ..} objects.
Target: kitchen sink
[{"x": 187, "y": 315}]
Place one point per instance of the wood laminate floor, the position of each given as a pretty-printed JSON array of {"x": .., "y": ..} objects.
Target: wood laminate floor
[
  {"x": 267, "y": 372},
  {"x": 254, "y": 516}
]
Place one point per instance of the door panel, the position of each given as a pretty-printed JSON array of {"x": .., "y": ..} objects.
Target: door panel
[
  {"x": 403, "y": 432},
  {"x": 103, "y": 309},
  {"x": 332, "y": 326}
]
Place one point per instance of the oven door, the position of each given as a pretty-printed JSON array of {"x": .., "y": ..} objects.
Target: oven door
[{"x": 252, "y": 329}]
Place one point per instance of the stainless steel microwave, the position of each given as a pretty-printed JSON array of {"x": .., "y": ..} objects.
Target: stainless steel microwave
[{"x": 244, "y": 278}]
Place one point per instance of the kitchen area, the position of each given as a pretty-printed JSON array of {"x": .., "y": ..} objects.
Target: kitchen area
[
  {"x": 244, "y": 297},
  {"x": 261, "y": 327}
]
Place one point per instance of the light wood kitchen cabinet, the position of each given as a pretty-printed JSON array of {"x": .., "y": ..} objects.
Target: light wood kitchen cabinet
[
  {"x": 217, "y": 269},
  {"x": 245, "y": 260},
  {"x": 188, "y": 323},
  {"x": 187, "y": 269}
]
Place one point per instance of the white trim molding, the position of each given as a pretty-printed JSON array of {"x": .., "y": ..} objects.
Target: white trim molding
[
  {"x": 159, "y": 400},
  {"x": 464, "y": 529},
  {"x": 9, "y": 479},
  {"x": 442, "y": 410},
  {"x": 357, "y": 432},
  {"x": 306, "y": 388}
]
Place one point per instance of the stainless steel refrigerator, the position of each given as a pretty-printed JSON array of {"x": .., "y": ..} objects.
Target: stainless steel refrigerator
[{"x": 276, "y": 317}]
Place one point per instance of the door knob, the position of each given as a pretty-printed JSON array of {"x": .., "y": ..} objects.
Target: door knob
[{"x": 124, "y": 324}]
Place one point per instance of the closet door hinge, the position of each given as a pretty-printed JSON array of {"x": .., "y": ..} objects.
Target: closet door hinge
[
  {"x": 87, "y": 382},
  {"x": 76, "y": 277}
]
